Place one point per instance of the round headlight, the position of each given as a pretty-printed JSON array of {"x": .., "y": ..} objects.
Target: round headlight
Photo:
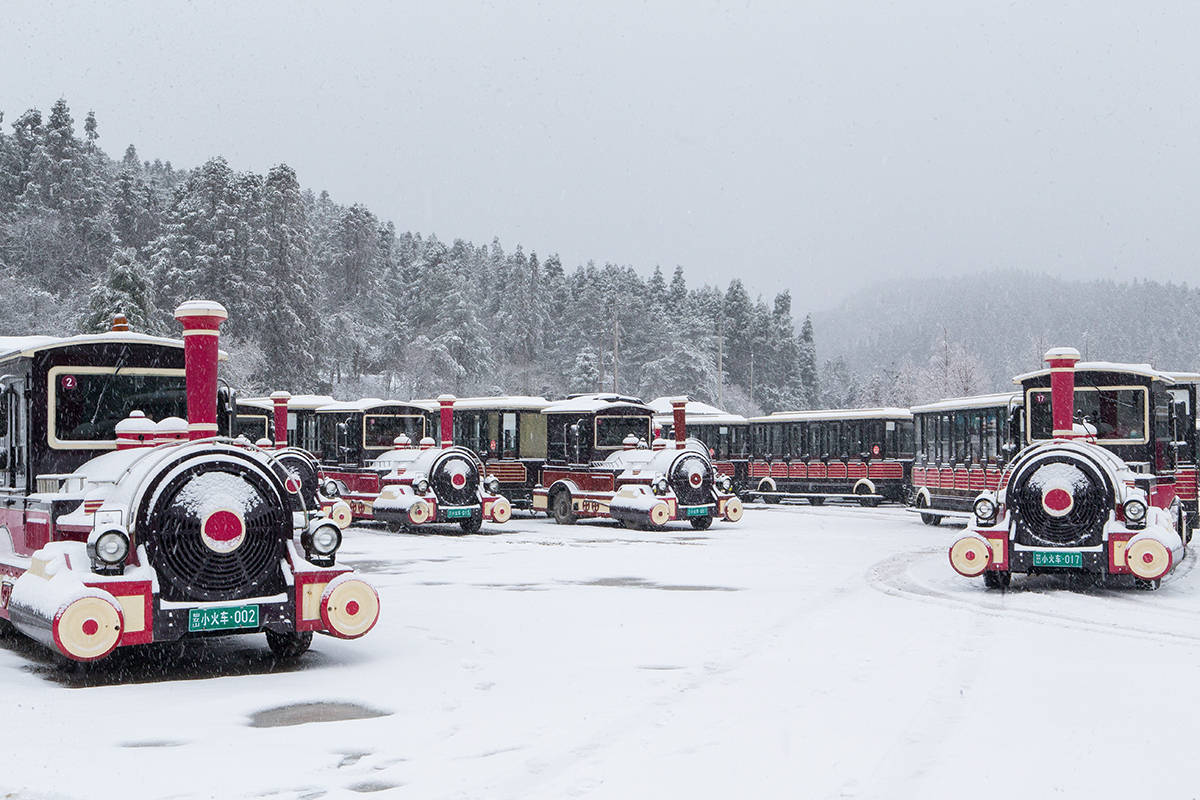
[
  {"x": 660, "y": 486},
  {"x": 326, "y": 539},
  {"x": 331, "y": 488},
  {"x": 1135, "y": 510},
  {"x": 421, "y": 486},
  {"x": 493, "y": 484},
  {"x": 112, "y": 547},
  {"x": 985, "y": 509},
  {"x": 726, "y": 484}
]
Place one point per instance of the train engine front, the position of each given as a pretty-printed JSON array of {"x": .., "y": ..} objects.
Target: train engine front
[
  {"x": 179, "y": 532},
  {"x": 424, "y": 484},
  {"x": 1069, "y": 502}
]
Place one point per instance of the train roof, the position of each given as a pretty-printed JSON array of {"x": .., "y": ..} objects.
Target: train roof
[
  {"x": 834, "y": 414},
  {"x": 365, "y": 404},
  {"x": 973, "y": 401},
  {"x": 257, "y": 403},
  {"x": 591, "y": 403},
  {"x": 514, "y": 402},
  {"x": 1142, "y": 370},
  {"x": 26, "y": 346},
  {"x": 697, "y": 413},
  {"x": 297, "y": 402}
]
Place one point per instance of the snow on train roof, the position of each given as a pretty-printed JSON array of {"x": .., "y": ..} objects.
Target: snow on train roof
[
  {"x": 835, "y": 414},
  {"x": 973, "y": 401},
  {"x": 590, "y": 403},
  {"x": 367, "y": 403},
  {"x": 514, "y": 402},
  {"x": 25, "y": 346},
  {"x": 1144, "y": 370},
  {"x": 697, "y": 413},
  {"x": 258, "y": 403}
]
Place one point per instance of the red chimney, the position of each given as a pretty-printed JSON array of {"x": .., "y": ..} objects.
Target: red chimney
[
  {"x": 1062, "y": 362},
  {"x": 280, "y": 399},
  {"x": 120, "y": 322},
  {"x": 679, "y": 410},
  {"x": 446, "y": 401},
  {"x": 201, "y": 320}
]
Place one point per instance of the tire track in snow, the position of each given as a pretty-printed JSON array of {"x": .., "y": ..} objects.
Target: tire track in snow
[{"x": 892, "y": 577}]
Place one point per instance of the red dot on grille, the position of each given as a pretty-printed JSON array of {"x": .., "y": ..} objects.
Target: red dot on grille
[
  {"x": 223, "y": 526},
  {"x": 1058, "y": 499}
]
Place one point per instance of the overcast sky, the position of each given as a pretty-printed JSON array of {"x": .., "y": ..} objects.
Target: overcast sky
[{"x": 817, "y": 146}]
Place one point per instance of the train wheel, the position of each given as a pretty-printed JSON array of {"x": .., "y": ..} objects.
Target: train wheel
[
  {"x": 471, "y": 525},
  {"x": 288, "y": 645},
  {"x": 701, "y": 523},
  {"x": 816, "y": 501},
  {"x": 928, "y": 519},
  {"x": 561, "y": 508},
  {"x": 866, "y": 502},
  {"x": 997, "y": 580}
]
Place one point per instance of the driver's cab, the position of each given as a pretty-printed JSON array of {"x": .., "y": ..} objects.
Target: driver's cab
[{"x": 587, "y": 429}]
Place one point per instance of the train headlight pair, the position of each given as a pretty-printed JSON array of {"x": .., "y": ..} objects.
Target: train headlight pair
[
  {"x": 986, "y": 510},
  {"x": 108, "y": 548},
  {"x": 1135, "y": 513},
  {"x": 321, "y": 540}
]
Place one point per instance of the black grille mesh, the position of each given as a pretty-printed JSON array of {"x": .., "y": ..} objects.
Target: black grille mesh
[
  {"x": 445, "y": 490},
  {"x": 188, "y": 569},
  {"x": 300, "y": 463},
  {"x": 687, "y": 494},
  {"x": 1082, "y": 526}
]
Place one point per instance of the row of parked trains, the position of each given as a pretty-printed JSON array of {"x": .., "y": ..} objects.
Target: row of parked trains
[{"x": 143, "y": 501}]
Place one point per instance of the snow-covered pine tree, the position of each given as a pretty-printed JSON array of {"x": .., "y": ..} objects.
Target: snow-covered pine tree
[{"x": 124, "y": 288}]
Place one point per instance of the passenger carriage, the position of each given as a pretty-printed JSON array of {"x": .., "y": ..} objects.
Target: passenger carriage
[
  {"x": 727, "y": 436},
  {"x": 862, "y": 453},
  {"x": 253, "y": 419},
  {"x": 509, "y": 435},
  {"x": 1105, "y": 482},
  {"x": 124, "y": 523},
  {"x": 603, "y": 461},
  {"x": 962, "y": 446}
]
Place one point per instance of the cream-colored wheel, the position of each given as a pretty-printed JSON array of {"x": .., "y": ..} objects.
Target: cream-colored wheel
[
  {"x": 341, "y": 514},
  {"x": 87, "y": 629},
  {"x": 1148, "y": 559},
  {"x": 349, "y": 608},
  {"x": 419, "y": 512},
  {"x": 659, "y": 514},
  {"x": 969, "y": 556},
  {"x": 501, "y": 510},
  {"x": 733, "y": 509}
]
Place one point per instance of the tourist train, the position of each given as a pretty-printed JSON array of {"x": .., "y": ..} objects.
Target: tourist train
[
  {"x": 1104, "y": 482},
  {"x": 129, "y": 519}
]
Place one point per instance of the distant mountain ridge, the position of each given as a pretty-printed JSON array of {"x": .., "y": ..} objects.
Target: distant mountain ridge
[{"x": 1007, "y": 319}]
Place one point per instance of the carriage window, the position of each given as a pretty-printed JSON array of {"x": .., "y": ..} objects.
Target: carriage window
[
  {"x": 945, "y": 438},
  {"x": 906, "y": 433},
  {"x": 975, "y": 436},
  {"x": 252, "y": 426},
  {"x": 611, "y": 431},
  {"x": 380, "y": 430},
  {"x": 87, "y": 405},
  {"x": 1118, "y": 414},
  {"x": 470, "y": 430},
  {"x": 991, "y": 433}
]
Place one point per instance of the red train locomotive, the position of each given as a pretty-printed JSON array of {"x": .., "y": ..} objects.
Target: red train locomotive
[
  {"x": 598, "y": 465},
  {"x": 1105, "y": 483},
  {"x": 116, "y": 530}
]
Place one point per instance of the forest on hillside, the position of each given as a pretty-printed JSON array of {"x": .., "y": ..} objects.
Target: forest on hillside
[{"x": 329, "y": 297}]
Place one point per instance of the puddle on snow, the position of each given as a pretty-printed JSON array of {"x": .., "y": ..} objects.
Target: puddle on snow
[
  {"x": 153, "y": 743},
  {"x": 373, "y": 786},
  {"x": 642, "y": 583},
  {"x": 303, "y": 713}
]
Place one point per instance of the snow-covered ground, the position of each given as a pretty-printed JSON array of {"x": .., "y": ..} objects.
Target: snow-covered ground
[{"x": 804, "y": 652}]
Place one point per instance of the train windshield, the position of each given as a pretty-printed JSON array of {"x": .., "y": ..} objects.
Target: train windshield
[
  {"x": 1118, "y": 414},
  {"x": 380, "y": 430},
  {"x": 611, "y": 431},
  {"x": 86, "y": 403},
  {"x": 252, "y": 426}
]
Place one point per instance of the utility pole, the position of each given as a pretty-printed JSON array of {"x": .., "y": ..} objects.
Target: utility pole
[
  {"x": 751, "y": 376},
  {"x": 616, "y": 356}
]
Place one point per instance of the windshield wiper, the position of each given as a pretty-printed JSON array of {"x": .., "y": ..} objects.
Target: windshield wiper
[{"x": 122, "y": 357}]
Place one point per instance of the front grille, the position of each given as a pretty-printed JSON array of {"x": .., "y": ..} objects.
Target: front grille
[
  {"x": 681, "y": 472},
  {"x": 1082, "y": 525},
  {"x": 300, "y": 464},
  {"x": 443, "y": 485},
  {"x": 188, "y": 569}
]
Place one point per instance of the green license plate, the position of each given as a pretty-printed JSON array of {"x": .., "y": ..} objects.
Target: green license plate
[
  {"x": 221, "y": 619},
  {"x": 1051, "y": 558},
  {"x": 698, "y": 511},
  {"x": 457, "y": 513}
]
